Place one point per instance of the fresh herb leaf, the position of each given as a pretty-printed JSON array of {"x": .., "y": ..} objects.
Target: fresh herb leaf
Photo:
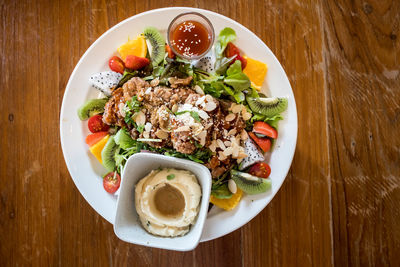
[
  {"x": 170, "y": 177},
  {"x": 222, "y": 64},
  {"x": 139, "y": 128},
  {"x": 236, "y": 78},
  {"x": 273, "y": 121},
  {"x": 225, "y": 36}
]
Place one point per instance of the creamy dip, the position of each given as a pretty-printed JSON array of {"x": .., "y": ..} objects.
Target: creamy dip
[{"x": 167, "y": 201}]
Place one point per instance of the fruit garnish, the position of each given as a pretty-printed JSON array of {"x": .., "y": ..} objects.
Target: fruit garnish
[
  {"x": 256, "y": 71},
  {"x": 98, "y": 147},
  {"x": 227, "y": 203},
  {"x": 92, "y": 139},
  {"x": 265, "y": 129},
  {"x": 116, "y": 64},
  {"x": 135, "y": 47},
  {"x": 96, "y": 124},
  {"x": 263, "y": 143},
  {"x": 262, "y": 170},
  {"x": 169, "y": 51},
  {"x": 111, "y": 182},
  {"x": 136, "y": 63},
  {"x": 250, "y": 184}
]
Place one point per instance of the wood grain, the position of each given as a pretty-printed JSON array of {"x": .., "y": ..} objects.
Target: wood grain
[{"x": 340, "y": 203}]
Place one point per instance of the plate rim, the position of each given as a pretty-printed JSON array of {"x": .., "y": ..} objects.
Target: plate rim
[{"x": 184, "y": 9}]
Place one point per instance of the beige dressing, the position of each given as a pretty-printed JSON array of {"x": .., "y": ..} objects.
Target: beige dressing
[{"x": 169, "y": 201}]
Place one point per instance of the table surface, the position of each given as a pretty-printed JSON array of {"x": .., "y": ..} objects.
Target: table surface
[{"x": 340, "y": 203}]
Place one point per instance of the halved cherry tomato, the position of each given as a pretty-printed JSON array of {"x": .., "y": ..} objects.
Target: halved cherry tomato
[
  {"x": 92, "y": 139},
  {"x": 111, "y": 182},
  {"x": 96, "y": 124},
  {"x": 265, "y": 129},
  {"x": 116, "y": 64},
  {"x": 232, "y": 50},
  {"x": 169, "y": 51},
  {"x": 261, "y": 169},
  {"x": 263, "y": 143}
]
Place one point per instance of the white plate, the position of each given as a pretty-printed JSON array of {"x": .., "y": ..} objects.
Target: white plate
[{"x": 86, "y": 171}]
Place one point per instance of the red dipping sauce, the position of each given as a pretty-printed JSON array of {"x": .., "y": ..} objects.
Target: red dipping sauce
[{"x": 191, "y": 38}]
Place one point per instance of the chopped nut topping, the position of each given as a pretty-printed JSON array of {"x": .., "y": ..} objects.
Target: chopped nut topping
[{"x": 230, "y": 117}]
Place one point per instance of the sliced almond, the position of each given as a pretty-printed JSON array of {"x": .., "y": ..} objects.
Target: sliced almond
[
  {"x": 146, "y": 134},
  {"x": 202, "y": 136},
  {"x": 161, "y": 134},
  {"x": 198, "y": 90},
  {"x": 247, "y": 116},
  {"x": 230, "y": 117},
  {"x": 210, "y": 106},
  {"x": 174, "y": 108},
  {"x": 236, "y": 108},
  {"x": 221, "y": 144},
  {"x": 232, "y": 186},
  {"x": 148, "y": 126},
  {"x": 244, "y": 135},
  {"x": 155, "y": 82},
  {"x": 244, "y": 109},
  {"x": 208, "y": 125},
  {"x": 235, "y": 152},
  {"x": 227, "y": 152},
  {"x": 200, "y": 101},
  {"x": 213, "y": 146},
  {"x": 203, "y": 114},
  {"x": 140, "y": 118},
  {"x": 183, "y": 129},
  {"x": 221, "y": 156},
  {"x": 232, "y": 132},
  {"x": 228, "y": 143},
  {"x": 242, "y": 155}
]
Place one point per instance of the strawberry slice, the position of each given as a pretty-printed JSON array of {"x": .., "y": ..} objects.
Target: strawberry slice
[
  {"x": 135, "y": 62},
  {"x": 263, "y": 143},
  {"x": 265, "y": 129},
  {"x": 92, "y": 139},
  {"x": 116, "y": 64}
]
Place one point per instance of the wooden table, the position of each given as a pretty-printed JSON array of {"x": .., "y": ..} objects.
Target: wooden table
[{"x": 339, "y": 205}]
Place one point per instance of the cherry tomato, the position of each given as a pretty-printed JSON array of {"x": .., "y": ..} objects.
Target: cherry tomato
[
  {"x": 265, "y": 129},
  {"x": 231, "y": 50},
  {"x": 92, "y": 139},
  {"x": 169, "y": 51},
  {"x": 116, "y": 64},
  {"x": 96, "y": 124},
  {"x": 111, "y": 182},
  {"x": 261, "y": 169},
  {"x": 263, "y": 143}
]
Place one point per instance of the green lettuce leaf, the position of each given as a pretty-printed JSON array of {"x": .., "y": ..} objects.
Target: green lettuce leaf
[{"x": 236, "y": 78}]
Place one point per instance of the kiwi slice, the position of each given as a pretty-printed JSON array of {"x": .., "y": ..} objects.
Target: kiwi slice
[
  {"x": 157, "y": 42},
  {"x": 108, "y": 154},
  {"x": 268, "y": 106},
  {"x": 91, "y": 107},
  {"x": 250, "y": 184}
]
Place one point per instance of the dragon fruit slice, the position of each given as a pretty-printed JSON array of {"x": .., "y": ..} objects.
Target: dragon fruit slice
[
  {"x": 206, "y": 64},
  {"x": 105, "y": 81},
  {"x": 254, "y": 155}
]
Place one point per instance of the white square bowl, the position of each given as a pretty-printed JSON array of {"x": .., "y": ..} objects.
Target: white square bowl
[{"x": 127, "y": 225}]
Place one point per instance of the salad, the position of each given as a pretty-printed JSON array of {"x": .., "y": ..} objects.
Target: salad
[{"x": 210, "y": 111}]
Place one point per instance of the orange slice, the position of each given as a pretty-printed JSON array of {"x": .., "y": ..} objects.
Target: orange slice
[
  {"x": 136, "y": 47},
  {"x": 256, "y": 71},
  {"x": 98, "y": 147},
  {"x": 229, "y": 203}
]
